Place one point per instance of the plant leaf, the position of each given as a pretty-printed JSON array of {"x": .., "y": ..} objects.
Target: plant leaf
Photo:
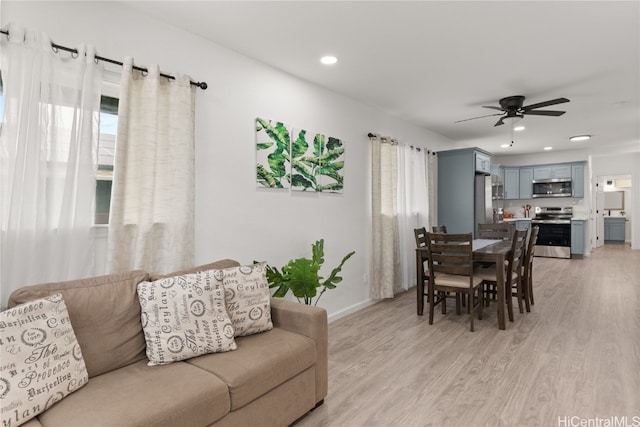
[
  {"x": 300, "y": 145},
  {"x": 302, "y": 276},
  {"x": 333, "y": 278}
]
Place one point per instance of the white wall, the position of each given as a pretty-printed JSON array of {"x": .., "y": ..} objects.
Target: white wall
[{"x": 234, "y": 219}]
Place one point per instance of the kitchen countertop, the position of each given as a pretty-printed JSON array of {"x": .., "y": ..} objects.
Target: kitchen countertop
[{"x": 516, "y": 219}]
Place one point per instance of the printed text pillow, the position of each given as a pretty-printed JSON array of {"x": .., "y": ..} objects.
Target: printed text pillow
[
  {"x": 247, "y": 297},
  {"x": 183, "y": 317},
  {"x": 40, "y": 359}
]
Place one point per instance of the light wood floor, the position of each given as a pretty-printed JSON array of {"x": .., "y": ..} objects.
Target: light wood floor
[{"x": 576, "y": 354}]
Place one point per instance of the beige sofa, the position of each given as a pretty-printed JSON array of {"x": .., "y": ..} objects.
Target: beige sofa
[{"x": 272, "y": 379}]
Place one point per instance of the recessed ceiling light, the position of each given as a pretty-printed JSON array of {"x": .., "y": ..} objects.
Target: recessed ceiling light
[
  {"x": 580, "y": 138},
  {"x": 505, "y": 145},
  {"x": 548, "y": 148},
  {"x": 519, "y": 128},
  {"x": 329, "y": 60}
]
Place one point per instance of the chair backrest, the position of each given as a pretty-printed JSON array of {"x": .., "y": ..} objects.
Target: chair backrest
[
  {"x": 451, "y": 254},
  {"x": 439, "y": 228},
  {"x": 421, "y": 237},
  {"x": 516, "y": 256},
  {"x": 501, "y": 230},
  {"x": 528, "y": 258}
]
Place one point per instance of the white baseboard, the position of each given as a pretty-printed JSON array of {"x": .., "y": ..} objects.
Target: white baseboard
[{"x": 352, "y": 309}]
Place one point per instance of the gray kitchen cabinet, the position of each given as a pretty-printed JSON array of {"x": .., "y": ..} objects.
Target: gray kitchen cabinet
[
  {"x": 577, "y": 178},
  {"x": 614, "y": 230},
  {"x": 456, "y": 188},
  {"x": 526, "y": 180},
  {"x": 483, "y": 162},
  {"x": 552, "y": 171},
  {"x": 577, "y": 238},
  {"x": 511, "y": 183}
]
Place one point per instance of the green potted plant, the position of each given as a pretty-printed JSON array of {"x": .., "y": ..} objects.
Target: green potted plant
[{"x": 302, "y": 276}]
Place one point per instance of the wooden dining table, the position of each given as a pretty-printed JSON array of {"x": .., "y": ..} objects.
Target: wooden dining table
[{"x": 484, "y": 251}]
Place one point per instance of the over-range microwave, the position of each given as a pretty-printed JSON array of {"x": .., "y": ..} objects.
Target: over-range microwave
[{"x": 556, "y": 187}]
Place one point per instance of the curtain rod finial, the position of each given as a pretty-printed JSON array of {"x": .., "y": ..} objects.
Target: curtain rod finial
[{"x": 203, "y": 85}]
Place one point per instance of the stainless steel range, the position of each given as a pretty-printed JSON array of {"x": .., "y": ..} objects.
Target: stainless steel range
[{"x": 554, "y": 237}]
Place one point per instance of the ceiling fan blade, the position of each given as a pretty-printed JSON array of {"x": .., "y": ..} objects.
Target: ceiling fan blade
[
  {"x": 544, "y": 113},
  {"x": 479, "y": 117},
  {"x": 495, "y": 108},
  {"x": 545, "y": 103}
]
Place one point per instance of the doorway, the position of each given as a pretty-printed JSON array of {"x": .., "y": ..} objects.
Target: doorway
[{"x": 613, "y": 201}]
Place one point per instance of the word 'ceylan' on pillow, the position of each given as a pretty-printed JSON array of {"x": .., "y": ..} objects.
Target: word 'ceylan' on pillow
[
  {"x": 183, "y": 317},
  {"x": 247, "y": 297},
  {"x": 41, "y": 359}
]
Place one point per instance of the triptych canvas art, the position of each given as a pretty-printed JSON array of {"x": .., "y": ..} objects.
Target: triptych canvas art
[{"x": 297, "y": 159}]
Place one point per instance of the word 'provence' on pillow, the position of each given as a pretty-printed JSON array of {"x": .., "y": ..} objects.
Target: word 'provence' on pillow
[
  {"x": 247, "y": 298},
  {"x": 41, "y": 359},
  {"x": 183, "y": 317}
]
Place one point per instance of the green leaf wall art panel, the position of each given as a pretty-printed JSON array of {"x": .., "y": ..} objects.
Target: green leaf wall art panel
[
  {"x": 273, "y": 159},
  {"x": 297, "y": 158},
  {"x": 331, "y": 178},
  {"x": 305, "y": 159}
]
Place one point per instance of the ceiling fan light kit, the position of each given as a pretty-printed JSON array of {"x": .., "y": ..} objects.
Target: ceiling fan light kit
[{"x": 512, "y": 108}]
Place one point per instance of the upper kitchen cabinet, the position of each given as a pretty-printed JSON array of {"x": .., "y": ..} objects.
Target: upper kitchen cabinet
[
  {"x": 577, "y": 178},
  {"x": 511, "y": 183},
  {"x": 483, "y": 162},
  {"x": 526, "y": 186},
  {"x": 552, "y": 172}
]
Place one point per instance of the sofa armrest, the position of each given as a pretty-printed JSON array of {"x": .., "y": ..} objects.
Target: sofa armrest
[{"x": 311, "y": 322}]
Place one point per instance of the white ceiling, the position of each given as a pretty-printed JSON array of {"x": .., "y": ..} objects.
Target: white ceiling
[{"x": 435, "y": 62}]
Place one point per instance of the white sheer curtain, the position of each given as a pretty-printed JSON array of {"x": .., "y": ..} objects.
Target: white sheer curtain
[
  {"x": 413, "y": 207},
  {"x": 152, "y": 201},
  {"x": 385, "y": 261},
  {"x": 48, "y": 161}
]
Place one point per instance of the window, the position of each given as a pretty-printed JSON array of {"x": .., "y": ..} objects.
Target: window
[{"x": 106, "y": 152}]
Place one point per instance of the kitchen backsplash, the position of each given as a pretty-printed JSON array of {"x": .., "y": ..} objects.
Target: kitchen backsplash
[{"x": 515, "y": 206}]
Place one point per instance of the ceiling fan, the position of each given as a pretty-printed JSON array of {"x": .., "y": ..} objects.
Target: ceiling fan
[{"x": 511, "y": 107}]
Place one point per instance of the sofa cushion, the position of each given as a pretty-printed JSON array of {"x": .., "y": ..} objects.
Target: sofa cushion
[
  {"x": 261, "y": 363},
  {"x": 184, "y": 316},
  {"x": 105, "y": 315},
  {"x": 41, "y": 359},
  {"x": 139, "y": 395},
  {"x": 247, "y": 298},
  {"x": 217, "y": 265}
]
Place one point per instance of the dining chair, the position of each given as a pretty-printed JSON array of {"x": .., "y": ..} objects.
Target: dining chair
[
  {"x": 527, "y": 273},
  {"x": 451, "y": 271},
  {"x": 439, "y": 229},
  {"x": 513, "y": 274},
  {"x": 499, "y": 231}
]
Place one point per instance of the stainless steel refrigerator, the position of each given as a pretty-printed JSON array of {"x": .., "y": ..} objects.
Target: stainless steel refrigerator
[{"x": 483, "y": 206}]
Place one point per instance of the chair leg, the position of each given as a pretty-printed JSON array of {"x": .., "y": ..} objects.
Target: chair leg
[
  {"x": 471, "y": 309},
  {"x": 525, "y": 292},
  {"x": 530, "y": 285},
  {"x": 431, "y": 305},
  {"x": 458, "y": 303},
  {"x": 519, "y": 296},
  {"x": 509, "y": 296},
  {"x": 420, "y": 297}
]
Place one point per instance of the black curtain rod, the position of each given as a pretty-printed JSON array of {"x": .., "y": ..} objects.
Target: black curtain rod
[
  {"x": 373, "y": 135},
  {"x": 56, "y": 47}
]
